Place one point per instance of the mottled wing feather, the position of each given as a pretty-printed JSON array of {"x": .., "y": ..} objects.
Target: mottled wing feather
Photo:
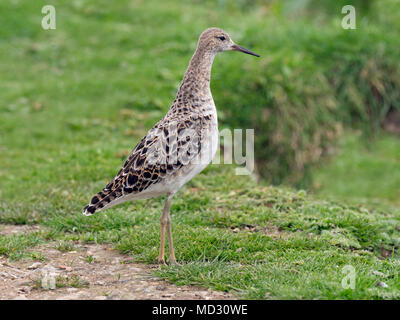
[{"x": 162, "y": 152}]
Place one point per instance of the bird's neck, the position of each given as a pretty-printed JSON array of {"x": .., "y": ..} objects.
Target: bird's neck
[{"x": 196, "y": 81}]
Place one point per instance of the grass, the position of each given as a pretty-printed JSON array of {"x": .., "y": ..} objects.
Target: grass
[
  {"x": 70, "y": 282},
  {"x": 363, "y": 172},
  {"x": 13, "y": 246},
  {"x": 65, "y": 246},
  {"x": 269, "y": 242},
  {"x": 78, "y": 98}
]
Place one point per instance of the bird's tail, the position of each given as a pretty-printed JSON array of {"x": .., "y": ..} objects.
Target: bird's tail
[{"x": 102, "y": 200}]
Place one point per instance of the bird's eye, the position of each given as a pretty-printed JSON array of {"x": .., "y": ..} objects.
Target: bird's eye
[{"x": 222, "y": 38}]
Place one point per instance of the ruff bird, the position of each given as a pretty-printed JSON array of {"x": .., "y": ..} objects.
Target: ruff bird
[{"x": 179, "y": 146}]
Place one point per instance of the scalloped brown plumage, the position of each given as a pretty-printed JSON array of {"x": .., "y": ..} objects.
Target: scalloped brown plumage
[{"x": 179, "y": 146}]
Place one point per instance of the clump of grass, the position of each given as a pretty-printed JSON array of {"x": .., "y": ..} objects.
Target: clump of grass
[
  {"x": 34, "y": 255},
  {"x": 18, "y": 214},
  {"x": 15, "y": 246},
  {"x": 72, "y": 281},
  {"x": 65, "y": 245},
  {"x": 90, "y": 259}
]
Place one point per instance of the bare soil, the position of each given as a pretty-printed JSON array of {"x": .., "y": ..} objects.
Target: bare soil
[{"x": 89, "y": 271}]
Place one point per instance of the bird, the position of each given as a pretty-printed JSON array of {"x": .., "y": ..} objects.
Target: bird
[{"x": 176, "y": 148}]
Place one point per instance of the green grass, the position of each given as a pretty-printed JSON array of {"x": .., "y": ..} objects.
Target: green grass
[
  {"x": 363, "y": 171},
  {"x": 268, "y": 241},
  {"x": 14, "y": 246},
  {"x": 75, "y": 100},
  {"x": 65, "y": 246}
]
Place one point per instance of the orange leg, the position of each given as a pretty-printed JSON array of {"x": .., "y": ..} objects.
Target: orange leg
[{"x": 165, "y": 221}]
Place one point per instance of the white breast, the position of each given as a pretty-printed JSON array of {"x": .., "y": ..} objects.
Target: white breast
[{"x": 209, "y": 146}]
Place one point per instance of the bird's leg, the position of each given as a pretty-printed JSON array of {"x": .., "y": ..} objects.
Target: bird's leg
[
  {"x": 163, "y": 224},
  {"x": 165, "y": 220},
  {"x": 172, "y": 258},
  {"x": 161, "y": 260},
  {"x": 166, "y": 224}
]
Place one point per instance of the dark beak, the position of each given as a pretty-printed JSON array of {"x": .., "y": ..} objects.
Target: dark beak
[{"x": 244, "y": 50}]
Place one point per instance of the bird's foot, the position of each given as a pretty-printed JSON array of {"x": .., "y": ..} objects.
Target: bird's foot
[
  {"x": 173, "y": 262},
  {"x": 161, "y": 262}
]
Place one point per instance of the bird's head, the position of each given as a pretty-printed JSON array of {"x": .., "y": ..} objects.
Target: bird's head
[{"x": 217, "y": 40}]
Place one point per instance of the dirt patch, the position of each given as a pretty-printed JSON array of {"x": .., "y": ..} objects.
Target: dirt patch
[{"x": 89, "y": 271}]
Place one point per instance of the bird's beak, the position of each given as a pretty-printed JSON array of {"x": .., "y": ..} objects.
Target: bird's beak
[{"x": 235, "y": 47}]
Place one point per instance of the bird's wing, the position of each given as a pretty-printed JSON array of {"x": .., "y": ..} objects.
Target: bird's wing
[{"x": 167, "y": 147}]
